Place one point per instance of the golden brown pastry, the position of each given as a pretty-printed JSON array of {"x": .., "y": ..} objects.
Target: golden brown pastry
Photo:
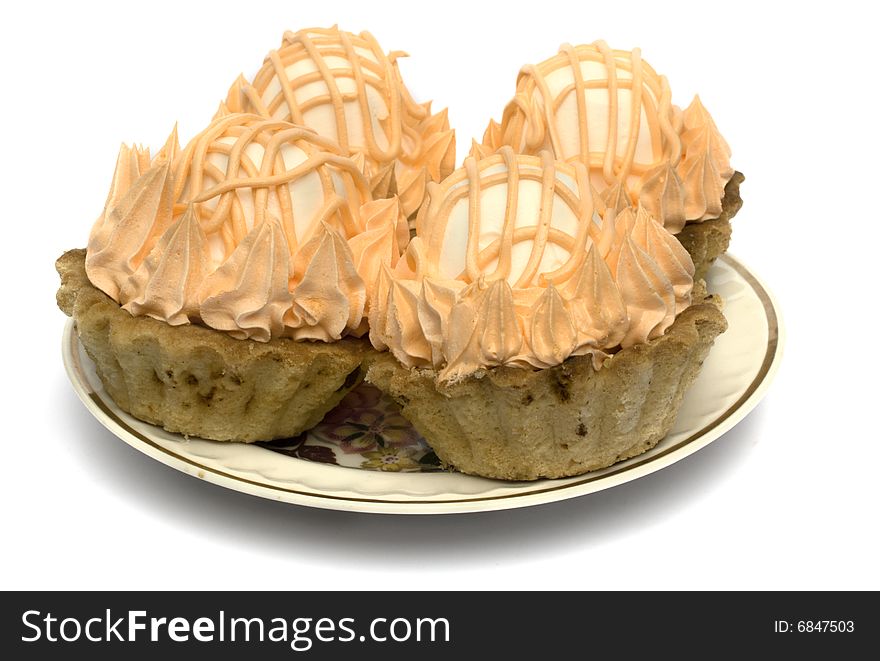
[{"x": 225, "y": 285}]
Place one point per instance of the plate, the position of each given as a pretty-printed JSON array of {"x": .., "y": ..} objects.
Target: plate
[{"x": 365, "y": 457}]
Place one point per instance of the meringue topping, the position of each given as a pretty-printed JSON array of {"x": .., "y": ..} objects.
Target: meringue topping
[
  {"x": 514, "y": 263},
  {"x": 705, "y": 166},
  {"x": 245, "y": 230},
  {"x": 248, "y": 295},
  {"x": 166, "y": 285},
  {"x": 345, "y": 87},
  {"x": 609, "y": 110}
]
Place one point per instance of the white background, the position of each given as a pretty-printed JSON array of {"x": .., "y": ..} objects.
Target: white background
[{"x": 788, "y": 499}]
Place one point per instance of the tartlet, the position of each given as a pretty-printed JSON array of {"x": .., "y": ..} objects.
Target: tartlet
[
  {"x": 609, "y": 110},
  {"x": 534, "y": 333},
  {"x": 224, "y": 290}
]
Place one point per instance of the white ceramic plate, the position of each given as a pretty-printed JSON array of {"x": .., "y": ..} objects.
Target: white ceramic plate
[{"x": 365, "y": 458}]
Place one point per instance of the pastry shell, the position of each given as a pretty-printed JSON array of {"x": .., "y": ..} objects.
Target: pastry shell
[
  {"x": 201, "y": 382},
  {"x": 709, "y": 239}
]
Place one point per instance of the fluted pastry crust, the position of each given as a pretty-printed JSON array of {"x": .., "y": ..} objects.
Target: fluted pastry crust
[
  {"x": 520, "y": 424},
  {"x": 709, "y": 239},
  {"x": 201, "y": 382}
]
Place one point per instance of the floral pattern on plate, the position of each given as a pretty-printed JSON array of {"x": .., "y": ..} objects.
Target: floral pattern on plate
[{"x": 367, "y": 431}]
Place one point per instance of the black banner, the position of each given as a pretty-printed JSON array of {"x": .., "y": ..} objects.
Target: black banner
[{"x": 333, "y": 625}]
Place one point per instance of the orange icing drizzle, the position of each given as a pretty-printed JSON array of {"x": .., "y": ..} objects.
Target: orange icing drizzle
[
  {"x": 685, "y": 177},
  {"x": 197, "y": 180},
  {"x": 432, "y": 221},
  {"x": 614, "y": 168},
  {"x": 315, "y": 45},
  {"x": 418, "y": 146}
]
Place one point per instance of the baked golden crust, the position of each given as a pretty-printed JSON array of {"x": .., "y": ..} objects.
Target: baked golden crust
[
  {"x": 707, "y": 240},
  {"x": 519, "y": 424},
  {"x": 199, "y": 381}
]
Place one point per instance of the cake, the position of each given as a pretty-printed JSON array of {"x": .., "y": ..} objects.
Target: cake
[
  {"x": 346, "y": 88},
  {"x": 539, "y": 312},
  {"x": 609, "y": 110},
  {"x": 533, "y": 332},
  {"x": 224, "y": 290}
]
